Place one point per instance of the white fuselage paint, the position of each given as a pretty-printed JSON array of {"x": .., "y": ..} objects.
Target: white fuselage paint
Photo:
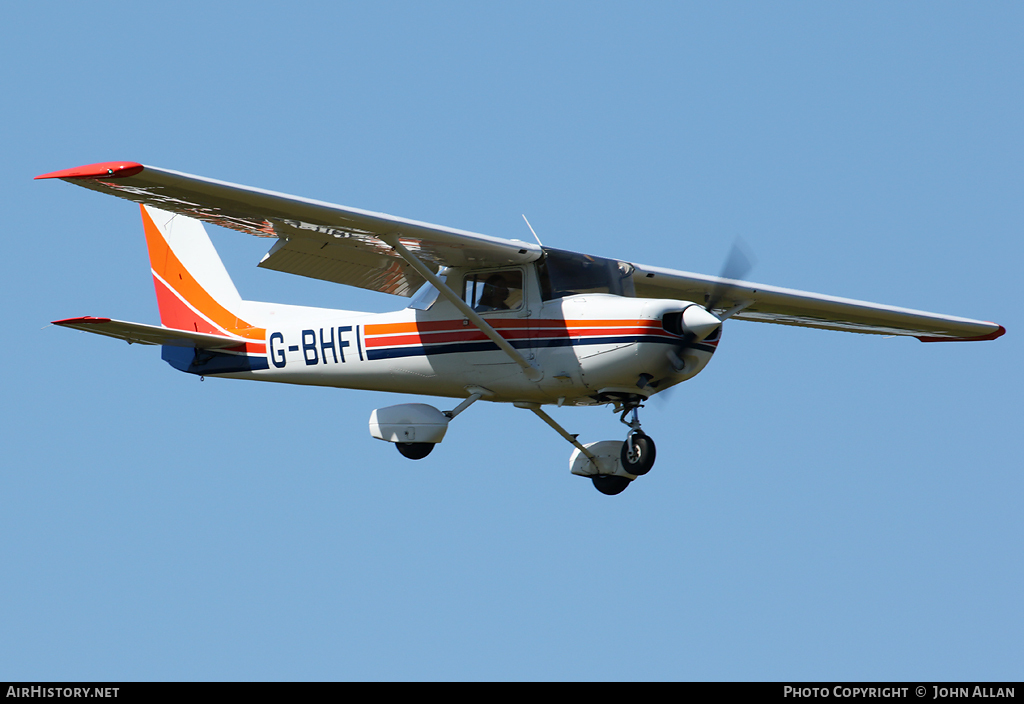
[{"x": 584, "y": 345}]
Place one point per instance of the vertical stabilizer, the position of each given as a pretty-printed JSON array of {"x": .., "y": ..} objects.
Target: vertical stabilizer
[{"x": 193, "y": 289}]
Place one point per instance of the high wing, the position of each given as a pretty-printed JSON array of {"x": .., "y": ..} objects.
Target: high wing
[
  {"x": 772, "y": 304},
  {"x": 315, "y": 239},
  {"x": 344, "y": 245}
]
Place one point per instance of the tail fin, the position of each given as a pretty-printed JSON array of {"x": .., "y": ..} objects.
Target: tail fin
[{"x": 193, "y": 289}]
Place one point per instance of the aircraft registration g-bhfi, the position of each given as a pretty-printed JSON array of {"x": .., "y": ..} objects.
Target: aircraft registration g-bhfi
[{"x": 489, "y": 318}]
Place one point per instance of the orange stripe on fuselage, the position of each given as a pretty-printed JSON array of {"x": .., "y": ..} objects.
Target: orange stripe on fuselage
[
  {"x": 173, "y": 313},
  {"x": 396, "y": 334}
]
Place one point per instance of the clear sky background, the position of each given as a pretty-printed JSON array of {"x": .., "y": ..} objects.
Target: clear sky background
[{"x": 824, "y": 505}]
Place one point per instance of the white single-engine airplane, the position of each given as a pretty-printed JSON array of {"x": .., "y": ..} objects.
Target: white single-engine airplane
[{"x": 490, "y": 318}]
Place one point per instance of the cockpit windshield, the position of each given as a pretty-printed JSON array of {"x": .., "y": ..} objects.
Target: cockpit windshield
[{"x": 568, "y": 273}]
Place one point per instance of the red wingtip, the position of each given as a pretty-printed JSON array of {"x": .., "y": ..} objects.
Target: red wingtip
[
  {"x": 108, "y": 169},
  {"x": 86, "y": 319},
  {"x": 991, "y": 336}
]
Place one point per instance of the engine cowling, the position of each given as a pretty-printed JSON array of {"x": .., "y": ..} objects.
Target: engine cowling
[{"x": 638, "y": 346}]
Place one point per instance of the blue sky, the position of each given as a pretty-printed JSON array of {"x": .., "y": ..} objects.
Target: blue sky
[{"x": 825, "y": 506}]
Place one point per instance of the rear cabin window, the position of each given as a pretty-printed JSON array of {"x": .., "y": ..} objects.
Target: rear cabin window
[
  {"x": 488, "y": 291},
  {"x": 568, "y": 273}
]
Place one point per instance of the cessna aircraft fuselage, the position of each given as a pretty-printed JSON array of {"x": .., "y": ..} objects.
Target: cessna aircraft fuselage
[{"x": 586, "y": 358}]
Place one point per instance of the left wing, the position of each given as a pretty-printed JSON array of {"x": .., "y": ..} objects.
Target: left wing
[
  {"x": 772, "y": 304},
  {"x": 315, "y": 239}
]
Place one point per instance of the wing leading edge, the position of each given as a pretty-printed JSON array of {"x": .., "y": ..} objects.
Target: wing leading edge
[{"x": 314, "y": 238}]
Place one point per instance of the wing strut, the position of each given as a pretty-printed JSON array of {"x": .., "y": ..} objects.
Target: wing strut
[
  {"x": 535, "y": 407},
  {"x": 532, "y": 373}
]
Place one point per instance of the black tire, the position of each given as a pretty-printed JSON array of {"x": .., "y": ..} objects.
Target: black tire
[
  {"x": 610, "y": 484},
  {"x": 415, "y": 450},
  {"x": 641, "y": 459}
]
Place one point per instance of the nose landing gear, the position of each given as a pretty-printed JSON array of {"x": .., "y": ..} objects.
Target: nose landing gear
[
  {"x": 638, "y": 451},
  {"x": 635, "y": 455}
]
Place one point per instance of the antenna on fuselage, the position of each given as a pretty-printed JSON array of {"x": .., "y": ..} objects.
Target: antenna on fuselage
[{"x": 532, "y": 230}]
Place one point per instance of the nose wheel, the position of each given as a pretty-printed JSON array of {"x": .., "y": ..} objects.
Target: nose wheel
[
  {"x": 638, "y": 451},
  {"x": 637, "y": 454}
]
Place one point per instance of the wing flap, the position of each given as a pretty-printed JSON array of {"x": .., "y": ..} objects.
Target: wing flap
[
  {"x": 342, "y": 265},
  {"x": 140, "y": 334},
  {"x": 772, "y": 304}
]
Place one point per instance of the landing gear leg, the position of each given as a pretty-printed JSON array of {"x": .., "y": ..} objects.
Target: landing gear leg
[
  {"x": 638, "y": 452},
  {"x": 614, "y": 466},
  {"x": 609, "y": 484}
]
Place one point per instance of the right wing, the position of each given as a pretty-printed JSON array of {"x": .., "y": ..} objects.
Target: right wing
[{"x": 772, "y": 304}]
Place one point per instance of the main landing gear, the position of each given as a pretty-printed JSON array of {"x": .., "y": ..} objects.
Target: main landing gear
[
  {"x": 610, "y": 484},
  {"x": 415, "y": 450},
  {"x": 610, "y": 465},
  {"x": 415, "y": 428}
]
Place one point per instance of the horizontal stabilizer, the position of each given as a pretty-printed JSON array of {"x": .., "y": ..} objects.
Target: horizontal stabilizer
[{"x": 138, "y": 333}]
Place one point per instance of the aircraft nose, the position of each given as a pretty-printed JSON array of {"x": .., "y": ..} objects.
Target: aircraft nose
[{"x": 699, "y": 321}]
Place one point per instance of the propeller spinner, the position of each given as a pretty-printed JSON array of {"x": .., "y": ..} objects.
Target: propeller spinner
[{"x": 697, "y": 323}]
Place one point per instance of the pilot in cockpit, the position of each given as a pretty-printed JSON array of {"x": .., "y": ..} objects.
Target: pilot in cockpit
[{"x": 494, "y": 296}]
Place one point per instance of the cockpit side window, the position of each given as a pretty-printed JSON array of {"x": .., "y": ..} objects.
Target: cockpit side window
[
  {"x": 568, "y": 273},
  {"x": 488, "y": 291}
]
